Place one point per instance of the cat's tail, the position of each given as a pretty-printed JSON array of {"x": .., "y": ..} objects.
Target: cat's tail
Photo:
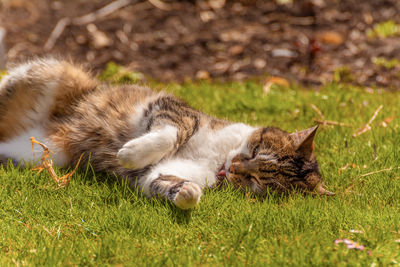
[{"x": 34, "y": 91}]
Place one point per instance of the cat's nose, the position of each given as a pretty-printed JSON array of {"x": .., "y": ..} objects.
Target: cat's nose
[
  {"x": 243, "y": 167},
  {"x": 237, "y": 167}
]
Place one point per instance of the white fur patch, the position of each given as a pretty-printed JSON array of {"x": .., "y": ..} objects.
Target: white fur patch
[
  {"x": 218, "y": 147},
  {"x": 202, "y": 157},
  {"x": 43, "y": 103},
  {"x": 148, "y": 149},
  {"x": 20, "y": 71},
  {"x": 20, "y": 148},
  {"x": 137, "y": 120},
  {"x": 188, "y": 196},
  {"x": 193, "y": 171}
]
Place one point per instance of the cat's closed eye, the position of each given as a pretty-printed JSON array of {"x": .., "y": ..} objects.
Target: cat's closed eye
[{"x": 255, "y": 151}]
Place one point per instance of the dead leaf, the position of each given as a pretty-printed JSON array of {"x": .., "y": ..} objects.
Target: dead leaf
[
  {"x": 202, "y": 75},
  {"x": 207, "y": 16},
  {"x": 387, "y": 121},
  {"x": 367, "y": 126},
  {"x": 216, "y": 4},
  {"x": 273, "y": 80},
  {"x": 236, "y": 50},
  {"x": 330, "y": 37}
]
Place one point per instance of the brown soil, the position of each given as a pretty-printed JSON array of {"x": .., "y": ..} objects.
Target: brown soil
[{"x": 306, "y": 41}]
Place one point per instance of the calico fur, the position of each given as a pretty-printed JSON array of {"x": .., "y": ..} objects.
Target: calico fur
[{"x": 152, "y": 139}]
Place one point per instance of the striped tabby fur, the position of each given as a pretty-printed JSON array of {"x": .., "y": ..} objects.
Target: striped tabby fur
[{"x": 154, "y": 140}]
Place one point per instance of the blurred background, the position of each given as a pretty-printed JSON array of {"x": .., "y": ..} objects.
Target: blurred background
[{"x": 307, "y": 41}]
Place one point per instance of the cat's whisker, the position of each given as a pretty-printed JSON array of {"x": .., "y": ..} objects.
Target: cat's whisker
[{"x": 333, "y": 123}]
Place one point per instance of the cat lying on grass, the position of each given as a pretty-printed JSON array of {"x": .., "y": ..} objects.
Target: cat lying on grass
[{"x": 154, "y": 140}]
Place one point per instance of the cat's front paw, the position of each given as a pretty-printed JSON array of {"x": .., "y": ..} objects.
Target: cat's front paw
[
  {"x": 144, "y": 151},
  {"x": 188, "y": 196},
  {"x": 136, "y": 157},
  {"x": 148, "y": 149}
]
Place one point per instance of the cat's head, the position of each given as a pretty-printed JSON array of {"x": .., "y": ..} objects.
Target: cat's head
[{"x": 272, "y": 158}]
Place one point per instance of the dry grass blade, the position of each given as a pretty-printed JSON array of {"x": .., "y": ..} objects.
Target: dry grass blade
[
  {"x": 360, "y": 181},
  {"x": 318, "y": 111},
  {"x": 85, "y": 19},
  {"x": 57, "y": 31},
  {"x": 367, "y": 126},
  {"x": 344, "y": 168},
  {"x": 334, "y": 123},
  {"x": 102, "y": 12},
  {"x": 47, "y": 164},
  {"x": 378, "y": 171},
  {"x": 324, "y": 121},
  {"x": 274, "y": 80}
]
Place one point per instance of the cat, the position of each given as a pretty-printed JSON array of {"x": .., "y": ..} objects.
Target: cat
[{"x": 153, "y": 139}]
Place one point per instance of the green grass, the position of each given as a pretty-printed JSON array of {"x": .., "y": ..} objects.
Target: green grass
[{"x": 98, "y": 221}]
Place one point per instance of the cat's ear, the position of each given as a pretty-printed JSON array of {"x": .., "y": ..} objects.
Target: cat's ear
[{"x": 304, "y": 140}]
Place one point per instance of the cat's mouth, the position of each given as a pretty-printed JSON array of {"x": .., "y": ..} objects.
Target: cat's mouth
[{"x": 222, "y": 171}]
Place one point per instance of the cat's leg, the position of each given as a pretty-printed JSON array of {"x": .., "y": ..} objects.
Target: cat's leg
[
  {"x": 35, "y": 90},
  {"x": 183, "y": 193},
  {"x": 180, "y": 181},
  {"x": 30, "y": 95},
  {"x": 148, "y": 149},
  {"x": 170, "y": 123}
]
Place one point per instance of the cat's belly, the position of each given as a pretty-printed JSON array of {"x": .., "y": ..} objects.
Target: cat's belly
[
  {"x": 19, "y": 148},
  {"x": 198, "y": 171}
]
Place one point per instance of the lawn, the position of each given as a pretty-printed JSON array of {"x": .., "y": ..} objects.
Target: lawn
[{"x": 99, "y": 221}]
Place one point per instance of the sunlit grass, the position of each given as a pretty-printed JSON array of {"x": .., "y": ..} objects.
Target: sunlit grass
[{"x": 98, "y": 221}]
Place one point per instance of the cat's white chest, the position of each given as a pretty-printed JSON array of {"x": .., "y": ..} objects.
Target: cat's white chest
[
  {"x": 213, "y": 147},
  {"x": 202, "y": 157}
]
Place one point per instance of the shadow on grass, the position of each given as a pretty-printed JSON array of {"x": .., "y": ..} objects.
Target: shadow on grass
[{"x": 177, "y": 215}]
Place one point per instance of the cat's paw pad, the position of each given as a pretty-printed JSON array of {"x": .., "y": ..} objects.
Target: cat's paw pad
[{"x": 188, "y": 196}]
